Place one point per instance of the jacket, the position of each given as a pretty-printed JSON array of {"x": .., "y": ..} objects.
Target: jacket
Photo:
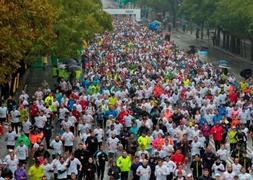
[
  {"x": 23, "y": 138},
  {"x": 143, "y": 141},
  {"x": 217, "y": 132},
  {"x": 124, "y": 163},
  {"x": 196, "y": 167},
  {"x": 232, "y": 136},
  {"x": 20, "y": 174},
  {"x": 178, "y": 158},
  {"x": 206, "y": 131}
]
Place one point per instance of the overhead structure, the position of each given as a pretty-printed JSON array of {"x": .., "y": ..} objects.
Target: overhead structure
[{"x": 136, "y": 12}]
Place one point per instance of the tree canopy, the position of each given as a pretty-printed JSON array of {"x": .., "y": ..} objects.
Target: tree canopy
[
  {"x": 26, "y": 27},
  {"x": 234, "y": 17},
  {"x": 77, "y": 21},
  {"x": 36, "y": 28},
  {"x": 162, "y": 6}
]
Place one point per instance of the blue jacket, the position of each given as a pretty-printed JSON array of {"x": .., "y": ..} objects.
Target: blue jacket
[
  {"x": 202, "y": 121},
  {"x": 216, "y": 119}
]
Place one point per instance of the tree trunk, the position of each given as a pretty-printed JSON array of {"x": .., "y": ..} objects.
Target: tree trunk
[
  {"x": 197, "y": 33},
  {"x": 174, "y": 13},
  {"x": 218, "y": 37},
  {"x": 238, "y": 46},
  {"x": 164, "y": 14},
  {"x": 251, "y": 50},
  {"x": 244, "y": 49},
  {"x": 232, "y": 44},
  {"x": 191, "y": 29},
  {"x": 227, "y": 42},
  {"x": 224, "y": 40},
  {"x": 214, "y": 37},
  {"x": 202, "y": 30},
  {"x": 174, "y": 18}
]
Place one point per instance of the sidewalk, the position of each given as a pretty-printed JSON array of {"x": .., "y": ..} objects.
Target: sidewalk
[
  {"x": 34, "y": 77},
  {"x": 184, "y": 40},
  {"x": 209, "y": 40}
]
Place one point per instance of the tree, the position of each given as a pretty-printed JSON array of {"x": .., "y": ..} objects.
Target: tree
[
  {"x": 26, "y": 28},
  {"x": 198, "y": 12},
  {"x": 234, "y": 18},
  {"x": 30, "y": 29},
  {"x": 163, "y": 6},
  {"x": 77, "y": 21}
]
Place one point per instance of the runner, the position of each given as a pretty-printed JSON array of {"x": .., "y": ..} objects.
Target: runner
[{"x": 143, "y": 105}]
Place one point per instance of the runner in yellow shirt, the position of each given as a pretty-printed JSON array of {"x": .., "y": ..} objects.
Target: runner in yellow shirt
[{"x": 36, "y": 171}]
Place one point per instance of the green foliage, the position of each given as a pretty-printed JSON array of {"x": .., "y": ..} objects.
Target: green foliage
[
  {"x": 128, "y": 1},
  {"x": 31, "y": 29},
  {"x": 232, "y": 16},
  {"x": 197, "y": 11},
  {"x": 235, "y": 17},
  {"x": 77, "y": 21},
  {"x": 26, "y": 28}
]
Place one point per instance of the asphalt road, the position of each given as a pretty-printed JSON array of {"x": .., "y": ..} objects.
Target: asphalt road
[{"x": 184, "y": 40}]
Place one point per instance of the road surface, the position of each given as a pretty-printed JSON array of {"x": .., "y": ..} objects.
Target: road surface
[{"x": 237, "y": 64}]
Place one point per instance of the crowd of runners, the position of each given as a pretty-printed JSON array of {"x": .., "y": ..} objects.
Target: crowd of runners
[{"x": 142, "y": 110}]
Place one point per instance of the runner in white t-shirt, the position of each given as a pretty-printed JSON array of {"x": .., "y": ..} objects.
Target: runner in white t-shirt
[
  {"x": 3, "y": 113},
  {"x": 12, "y": 163},
  {"x": 48, "y": 169},
  {"x": 40, "y": 121},
  {"x": 57, "y": 145},
  {"x": 99, "y": 132},
  {"x": 26, "y": 126},
  {"x": 112, "y": 145},
  {"x": 74, "y": 165},
  {"x": 68, "y": 140},
  {"x": 22, "y": 152},
  {"x": 10, "y": 138},
  {"x": 61, "y": 167},
  {"x": 15, "y": 115}
]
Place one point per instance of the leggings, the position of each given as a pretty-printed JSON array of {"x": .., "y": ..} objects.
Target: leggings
[{"x": 100, "y": 172}]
